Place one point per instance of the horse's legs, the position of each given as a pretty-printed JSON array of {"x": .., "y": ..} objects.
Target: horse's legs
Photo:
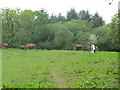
[
  {"x": 82, "y": 48},
  {"x": 34, "y": 48},
  {"x": 74, "y": 48},
  {"x": 25, "y": 48}
]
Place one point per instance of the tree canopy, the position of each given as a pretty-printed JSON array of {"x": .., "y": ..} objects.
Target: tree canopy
[{"x": 21, "y": 27}]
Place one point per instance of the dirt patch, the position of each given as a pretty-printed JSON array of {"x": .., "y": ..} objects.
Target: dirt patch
[{"x": 60, "y": 83}]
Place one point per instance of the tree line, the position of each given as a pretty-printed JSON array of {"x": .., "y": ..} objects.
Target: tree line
[{"x": 21, "y": 27}]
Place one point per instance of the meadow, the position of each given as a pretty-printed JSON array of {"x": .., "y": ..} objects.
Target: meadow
[{"x": 59, "y": 69}]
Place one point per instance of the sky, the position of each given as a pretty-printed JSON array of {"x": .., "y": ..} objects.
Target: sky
[{"x": 62, "y": 6}]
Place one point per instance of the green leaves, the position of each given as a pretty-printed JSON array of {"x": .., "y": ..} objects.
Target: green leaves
[
  {"x": 84, "y": 15},
  {"x": 79, "y": 69},
  {"x": 114, "y": 32},
  {"x": 63, "y": 39},
  {"x": 72, "y": 14},
  {"x": 31, "y": 84},
  {"x": 21, "y": 27},
  {"x": 97, "y": 20}
]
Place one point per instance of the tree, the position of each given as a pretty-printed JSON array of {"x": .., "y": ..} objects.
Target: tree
[
  {"x": 45, "y": 14},
  {"x": 93, "y": 38},
  {"x": 83, "y": 38},
  {"x": 40, "y": 17},
  {"x": 45, "y": 34},
  {"x": 63, "y": 39},
  {"x": 97, "y": 20},
  {"x": 72, "y": 14},
  {"x": 114, "y": 33},
  {"x": 10, "y": 25},
  {"x": 21, "y": 27},
  {"x": 61, "y": 18},
  {"x": 104, "y": 41},
  {"x": 53, "y": 19},
  {"x": 26, "y": 31},
  {"x": 27, "y": 26},
  {"x": 84, "y": 15}
]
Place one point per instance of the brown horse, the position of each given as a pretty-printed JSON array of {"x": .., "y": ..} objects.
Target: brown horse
[
  {"x": 22, "y": 46},
  {"x": 28, "y": 46},
  {"x": 3, "y": 45},
  {"x": 78, "y": 47}
]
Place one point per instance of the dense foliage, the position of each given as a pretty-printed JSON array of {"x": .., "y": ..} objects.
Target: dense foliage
[{"x": 21, "y": 27}]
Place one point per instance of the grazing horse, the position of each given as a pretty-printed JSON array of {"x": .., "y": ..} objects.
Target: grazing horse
[
  {"x": 22, "y": 46},
  {"x": 3, "y": 45},
  {"x": 78, "y": 47},
  {"x": 28, "y": 46}
]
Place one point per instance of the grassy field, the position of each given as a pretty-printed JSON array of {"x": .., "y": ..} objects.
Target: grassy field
[{"x": 59, "y": 68}]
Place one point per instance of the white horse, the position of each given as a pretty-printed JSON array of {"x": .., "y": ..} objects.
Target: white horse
[{"x": 92, "y": 48}]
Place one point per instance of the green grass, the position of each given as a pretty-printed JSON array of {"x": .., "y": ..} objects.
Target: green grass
[{"x": 45, "y": 68}]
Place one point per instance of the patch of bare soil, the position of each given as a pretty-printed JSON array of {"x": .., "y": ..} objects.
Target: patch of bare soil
[{"x": 60, "y": 83}]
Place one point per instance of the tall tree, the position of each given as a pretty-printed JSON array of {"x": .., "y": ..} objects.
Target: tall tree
[
  {"x": 63, "y": 39},
  {"x": 10, "y": 25},
  {"x": 53, "y": 19},
  {"x": 83, "y": 38},
  {"x": 72, "y": 14},
  {"x": 97, "y": 20},
  {"x": 104, "y": 41},
  {"x": 23, "y": 34},
  {"x": 115, "y": 32},
  {"x": 61, "y": 18},
  {"x": 40, "y": 17},
  {"x": 46, "y": 15},
  {"x": 84, "y": 15}
]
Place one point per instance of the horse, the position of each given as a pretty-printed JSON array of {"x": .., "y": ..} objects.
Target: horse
[
  {"x": 93, "y": 48},
  {"x": 28, "y": 46},
  {"x": 78, "y": 47},
  {"x": 4, "y": 46},
  {"x": 22, "y": 46}
]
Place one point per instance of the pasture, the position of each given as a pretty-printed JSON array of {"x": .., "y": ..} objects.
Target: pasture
[{"x": 59, "y": 69}]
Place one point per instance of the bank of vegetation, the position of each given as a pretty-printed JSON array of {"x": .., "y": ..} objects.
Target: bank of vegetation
[
  {"x": 21, "y": 27},
  {"x": 59, "y": 69}
]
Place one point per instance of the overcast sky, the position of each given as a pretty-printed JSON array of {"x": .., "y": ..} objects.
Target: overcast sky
[{"x": 62, "y": 6}]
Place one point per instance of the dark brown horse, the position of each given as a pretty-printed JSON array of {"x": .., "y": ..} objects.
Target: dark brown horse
[
  {"x": 78, "y": 47},
  {"x": 28, "y": 46}
]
